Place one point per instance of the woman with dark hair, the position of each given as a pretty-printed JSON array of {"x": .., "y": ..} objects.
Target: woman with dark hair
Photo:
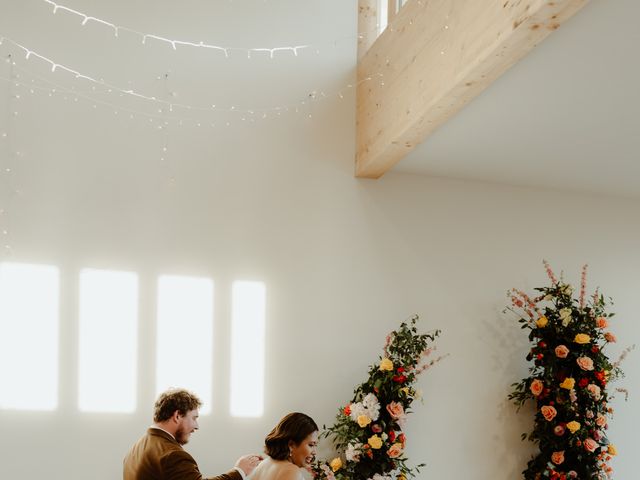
[{"x": 290, "y": 446}]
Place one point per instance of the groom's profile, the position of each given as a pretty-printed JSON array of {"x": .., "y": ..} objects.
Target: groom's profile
[{"x": 159, "y": 455}]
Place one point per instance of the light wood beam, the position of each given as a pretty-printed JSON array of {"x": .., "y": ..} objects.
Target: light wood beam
[
  {"x": 434, "y": 58},
  {"x": 367, "y": 25}
]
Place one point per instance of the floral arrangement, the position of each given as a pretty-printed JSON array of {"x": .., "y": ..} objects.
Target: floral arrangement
[
  {"x": 568, "y": 380},
  {"x": 368, "y": 431}
]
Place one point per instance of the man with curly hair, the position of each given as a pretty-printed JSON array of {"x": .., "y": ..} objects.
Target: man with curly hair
[{"x": 159, "y": 455}]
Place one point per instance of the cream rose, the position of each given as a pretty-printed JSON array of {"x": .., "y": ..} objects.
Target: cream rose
[
  {"x": 582, "y": 338},
  {"x": 375, "y": 442},
  {"x": 568, "y": 383},
  {"x": 364, "y": 420},
  {"x": 573, "y": 426},
  {"x": 386, "y": 365}
]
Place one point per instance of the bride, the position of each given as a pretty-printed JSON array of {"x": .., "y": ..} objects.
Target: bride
[{"x": 290, "y": 446}]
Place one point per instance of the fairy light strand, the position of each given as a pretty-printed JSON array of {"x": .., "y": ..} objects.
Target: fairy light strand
[
  {"x": 175, "y": 43},
  {"x": 170, "y": 105},
  {"x": 7, "y": 165},
  {"x": 53, "y": 88}
]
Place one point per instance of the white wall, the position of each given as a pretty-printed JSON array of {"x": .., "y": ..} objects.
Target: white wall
[{"x": 344, "y": 261}]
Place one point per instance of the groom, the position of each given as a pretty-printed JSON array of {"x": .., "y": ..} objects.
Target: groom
[{"x": 159, "y": 455}]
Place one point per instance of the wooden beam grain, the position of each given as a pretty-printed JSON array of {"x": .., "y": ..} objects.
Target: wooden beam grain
[{"x": 435, "y": 57}]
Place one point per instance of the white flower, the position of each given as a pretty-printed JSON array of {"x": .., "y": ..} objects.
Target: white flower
[
  {"x": 384, "y": 436},
  {"x": 353, "y": 452},
  {"x": 565, "y": 316},
  {"x": 372, "y": 405},
  {"x": 369, "y": 407},
  {"x": 377, "y": 476},
  {"x": 418, "y": 394},
  {"x": 566, "y": 289}
]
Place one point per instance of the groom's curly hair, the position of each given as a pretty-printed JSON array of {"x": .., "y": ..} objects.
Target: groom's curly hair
[
  {"x": 174, "y": 399},
  {"x": 294, "y": 427}
]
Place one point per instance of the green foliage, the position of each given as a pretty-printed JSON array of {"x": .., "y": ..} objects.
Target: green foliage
[
  {"x": 568, "y": 381},
  {"x": 367, "y": 432}
]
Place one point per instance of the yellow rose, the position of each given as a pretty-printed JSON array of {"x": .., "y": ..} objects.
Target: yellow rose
[
  {"x": 386, "y": 365},
  {"x": 402, "y": 476},
  {"x": 336, "y": 464},
  {"x": 363, "y": 420},
  {"x": 573, "y": 426},
  {"x": 568, "y": 383},
  {"x": 582, "y": 338},
  {"x": 542, "y": 322},
  {"x": 375, "y": 442},
  {"x": 612, "y": 450},
  {"x": 405, "y": 390}
]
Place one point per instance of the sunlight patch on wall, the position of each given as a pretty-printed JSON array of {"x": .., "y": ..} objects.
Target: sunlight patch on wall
[
  {"x": 29, "y": 331},
  {"x": 108, "y": 337},
  {"x": 184, "y": 353},
  {"x": 247, "y": 349}
]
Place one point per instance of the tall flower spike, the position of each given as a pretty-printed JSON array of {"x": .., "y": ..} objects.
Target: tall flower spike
[
  {"x": 583, "y": 285},
  {"x": 550, "y": 273}
]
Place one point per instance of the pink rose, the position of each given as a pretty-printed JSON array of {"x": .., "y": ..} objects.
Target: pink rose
[
  {"x": 557, "y": 457},
  {"x": 594, "y": 391},
  {"x": 585, "y": 363},
  {"x": 395, "y": 450},
  {"x": 548, "y": 412},
  {"x": 536, "y": 387},
  {"x": 396, "y": 410},
  {"x": 375, "y": 428},
  {"x": 597, "y": 435},
  {"x": 601, "y": 420},
  {"x": 559, "y": 430},
  {"x": 610, "y": 337},
  {"x": 601, "y": 322},
  {"x": 562, "y": 351},
  {"x": 590, "y": 445}
]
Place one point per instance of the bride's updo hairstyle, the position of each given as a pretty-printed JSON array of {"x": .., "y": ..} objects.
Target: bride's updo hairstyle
[{"x": 294, "y": 427}]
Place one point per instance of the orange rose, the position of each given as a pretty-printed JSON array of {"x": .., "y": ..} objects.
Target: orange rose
[
  {"x": 610, "y": 337},
  {"x": 557, "y": 457},
  {"x": 562, "y": 351},
  {"x": 601, "y": 322},
  {"x": 395, "y": 450},
  {"x": 536, "y": 387},
  {"x": 548, "y": 412},
  {"x": 601, "y": 420}
]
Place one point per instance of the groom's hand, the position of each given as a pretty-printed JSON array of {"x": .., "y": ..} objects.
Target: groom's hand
[{"x": 247, "y": 463}]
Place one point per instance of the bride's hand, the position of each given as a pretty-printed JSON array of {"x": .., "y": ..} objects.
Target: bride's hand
[{"x": 248, "y": 462}]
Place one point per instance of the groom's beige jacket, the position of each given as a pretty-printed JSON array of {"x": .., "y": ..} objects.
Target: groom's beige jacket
[{"x": 158, "y": 456}]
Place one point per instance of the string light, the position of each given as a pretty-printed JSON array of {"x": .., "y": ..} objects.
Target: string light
[
  {"x": 175, "y": 43},
  {"x": 163, "y": 102}
]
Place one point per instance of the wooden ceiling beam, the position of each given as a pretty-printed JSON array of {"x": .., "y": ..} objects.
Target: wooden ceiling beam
[{"x": 434, "y": 57}]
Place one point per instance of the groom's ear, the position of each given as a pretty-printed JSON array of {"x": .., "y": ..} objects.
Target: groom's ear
[{"x": 176, "y": 416}]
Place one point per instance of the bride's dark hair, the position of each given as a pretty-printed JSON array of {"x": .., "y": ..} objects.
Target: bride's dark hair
[{"x": 294, "y": 427}]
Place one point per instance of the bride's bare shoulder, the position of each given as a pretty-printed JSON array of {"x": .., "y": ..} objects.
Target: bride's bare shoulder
[{"x": 275, "y": 470}]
